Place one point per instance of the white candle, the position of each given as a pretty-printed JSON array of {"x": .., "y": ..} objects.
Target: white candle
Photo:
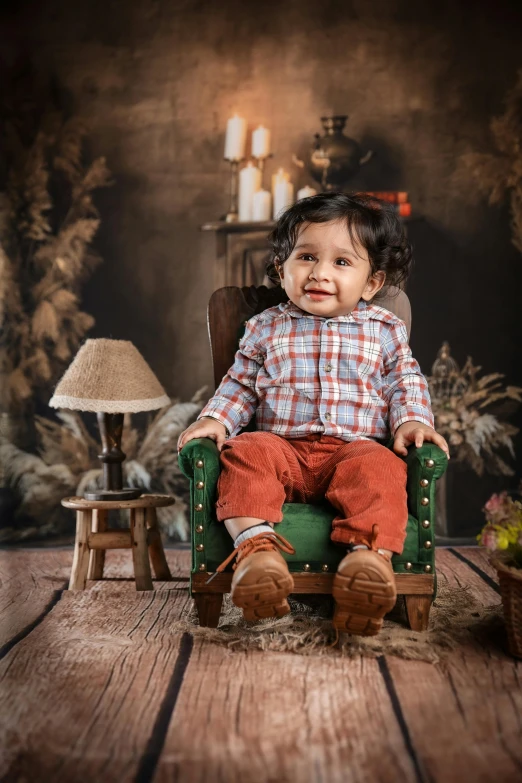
[
  {"x": 235, "y": 139},
  {"x": 283, "y": 197},
  {"x": 306, "y": 192},
  {"x": 249, "y": 183},
  {"x": 261, "y": 204},
  {"x": 280, "y": 176},
  {"x": 261, "y": 142}
]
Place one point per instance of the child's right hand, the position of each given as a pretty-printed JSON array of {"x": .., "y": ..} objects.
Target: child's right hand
[{"x": 204, "y": 428}]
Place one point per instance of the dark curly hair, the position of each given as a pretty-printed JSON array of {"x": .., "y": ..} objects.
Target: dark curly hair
[{"x": 372, "y": 223}]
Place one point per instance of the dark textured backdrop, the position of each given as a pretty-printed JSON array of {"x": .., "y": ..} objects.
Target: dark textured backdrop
[{"x": 157, "y": 80}]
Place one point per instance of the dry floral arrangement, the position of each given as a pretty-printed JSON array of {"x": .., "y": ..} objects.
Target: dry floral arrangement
[
  {"x": 500, "y": 174},
  {"x": 48, "y": 220},
  {"x": 462, "y": 404}
]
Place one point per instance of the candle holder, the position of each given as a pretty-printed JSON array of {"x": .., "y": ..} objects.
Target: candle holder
[
  {"x": 232, "y": 215},
  {"x": 260, "y": 163}
]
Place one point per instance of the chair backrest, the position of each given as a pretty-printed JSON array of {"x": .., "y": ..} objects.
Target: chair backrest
[{"x": 231, "y": 306}]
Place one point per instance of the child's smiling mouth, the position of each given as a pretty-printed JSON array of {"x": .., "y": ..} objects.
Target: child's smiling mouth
[{"x": 317, "y": 294}]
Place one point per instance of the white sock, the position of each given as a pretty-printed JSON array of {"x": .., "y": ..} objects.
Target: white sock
[
  {"x": 363, "y": 546},
  {"x": 264, "y": 527}
]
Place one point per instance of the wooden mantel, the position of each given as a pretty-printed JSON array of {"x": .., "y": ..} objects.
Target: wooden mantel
[{"x": 241, "y": 250}]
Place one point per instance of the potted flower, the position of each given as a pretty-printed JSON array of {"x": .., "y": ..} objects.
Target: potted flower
[{"x": 502, "y": 536}]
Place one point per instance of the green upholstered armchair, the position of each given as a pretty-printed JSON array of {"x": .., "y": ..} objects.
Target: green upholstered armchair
[{"x": 307, "y": 527}]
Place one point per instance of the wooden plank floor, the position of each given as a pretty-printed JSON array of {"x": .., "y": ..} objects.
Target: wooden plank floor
[{"x": 96, "y": 686}]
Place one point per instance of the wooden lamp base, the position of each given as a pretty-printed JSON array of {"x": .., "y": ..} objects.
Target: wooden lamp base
[{"x": 111, "y": 429}]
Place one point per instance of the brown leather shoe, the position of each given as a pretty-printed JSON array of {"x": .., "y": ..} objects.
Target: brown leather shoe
[
  {"x": 261, "y": 581},
  {"x": 364, "y": 590}
]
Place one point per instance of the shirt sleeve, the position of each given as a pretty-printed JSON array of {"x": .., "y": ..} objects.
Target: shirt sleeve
[
  {"x": 405, "y": 387},
  {"x": 235, "y": 400}
]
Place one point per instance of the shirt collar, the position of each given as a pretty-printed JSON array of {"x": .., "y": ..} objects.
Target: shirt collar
[{"x": 358, "y": 314}]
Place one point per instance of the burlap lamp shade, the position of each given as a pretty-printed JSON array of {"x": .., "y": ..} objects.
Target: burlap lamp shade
[{"x": 110, "y": 378}]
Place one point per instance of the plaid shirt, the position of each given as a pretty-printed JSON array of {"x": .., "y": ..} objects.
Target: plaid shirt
[{"x": 351, "y": 376}]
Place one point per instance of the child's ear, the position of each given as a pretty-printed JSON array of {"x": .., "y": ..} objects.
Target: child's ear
[
  {"x": 280, "y": 271},
  {"x": 374, "y": 284}
]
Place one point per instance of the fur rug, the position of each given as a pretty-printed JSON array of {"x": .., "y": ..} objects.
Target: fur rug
[{"x": 456, "y": 618}]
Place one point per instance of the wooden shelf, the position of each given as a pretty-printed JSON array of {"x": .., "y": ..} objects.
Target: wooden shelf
[
  {"x": 239, "y": 227},
  {"x": 252, "y": 227}
]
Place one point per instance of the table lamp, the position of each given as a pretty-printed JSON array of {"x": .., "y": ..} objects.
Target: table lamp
[{"x": 110, "y": 378}]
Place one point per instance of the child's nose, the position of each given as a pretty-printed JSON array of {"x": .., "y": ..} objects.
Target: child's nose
[{"x": 321, "y": 270}]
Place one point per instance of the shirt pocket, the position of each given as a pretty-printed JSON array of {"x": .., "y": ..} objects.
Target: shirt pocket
[
  {"x": 362, "y": 361},
  {"x": 289, "y": 367}
]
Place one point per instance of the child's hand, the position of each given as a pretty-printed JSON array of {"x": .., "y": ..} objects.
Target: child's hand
[
  {"x": 204, "y": 428},
  {"x": 416, "y": 432}
]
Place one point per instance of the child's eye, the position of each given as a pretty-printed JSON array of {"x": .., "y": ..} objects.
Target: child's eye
[
  {"x": 342, "y": 262},
  {"x": 307, "y": 257}
]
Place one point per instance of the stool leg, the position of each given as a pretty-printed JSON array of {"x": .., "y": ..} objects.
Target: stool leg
[
  {"x": 81, "y": 550},
  {"x": 97, "y": 561},
  {"x": 156, "y": 551},
  {"x": 140, "y": 552}
]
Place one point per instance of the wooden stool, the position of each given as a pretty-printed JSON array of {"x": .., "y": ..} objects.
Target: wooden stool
[{"x": 93, "y": 537}]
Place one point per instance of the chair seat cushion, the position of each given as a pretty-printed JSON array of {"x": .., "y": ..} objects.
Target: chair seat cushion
[{"x": 307, "y": 527}]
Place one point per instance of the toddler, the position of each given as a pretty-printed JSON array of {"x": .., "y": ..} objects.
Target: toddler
[{"x": 330, "y": 376}]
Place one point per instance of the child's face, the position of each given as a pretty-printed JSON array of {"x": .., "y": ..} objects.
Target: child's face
[{"x": 326, "y": 274}]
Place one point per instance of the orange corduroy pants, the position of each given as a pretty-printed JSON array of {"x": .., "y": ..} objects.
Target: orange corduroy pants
[{"x": 363, "y": 480}]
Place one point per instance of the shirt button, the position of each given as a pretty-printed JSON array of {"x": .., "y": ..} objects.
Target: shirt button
[
  {"x": 328, "y": 323},
  {"x": 327, "y": 416},
  {"x": 328, "y": 367}
]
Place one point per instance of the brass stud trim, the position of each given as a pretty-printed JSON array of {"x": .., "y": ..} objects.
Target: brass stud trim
[
  {"x": 425, "y": 523},
  {"x": 427, "y": 545},
  {"x": 425, "y": 501},
  {"x": 199, "y": 528},
  {"x": 430, "y": 463},
  {"x": 199, "y": 463},
  {"x": 424, "y": 482},
  {"x": 427, "y": 568},
  {"x": 324, "y": 567},
  {"x": 200, "y": 547},
  {"x": 407, "y": 566},
  {"x": 198, "y": 507},
  {"x": 200, "y": 484},
  {"x": 306, "y": 567},
  {"x": 202, "y": 567}
]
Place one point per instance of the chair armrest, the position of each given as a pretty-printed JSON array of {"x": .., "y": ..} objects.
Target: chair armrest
[
  {"x": 417, "y": 459},
  {"x": 199, "y": 450},
  {"x": 199, "y": 461},
  {"x": 425, "y": 466}
]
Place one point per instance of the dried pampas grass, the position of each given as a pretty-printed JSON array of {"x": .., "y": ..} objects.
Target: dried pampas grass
[
  {"x": 41, "y": 488},
  {"x": 499, "y": 175},
  {"x": 68, "y": 464},
  {"x": 45, "y": 255}
]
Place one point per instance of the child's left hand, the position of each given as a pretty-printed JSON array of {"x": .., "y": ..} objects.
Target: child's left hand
[{"x": 416, "y": 432}]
